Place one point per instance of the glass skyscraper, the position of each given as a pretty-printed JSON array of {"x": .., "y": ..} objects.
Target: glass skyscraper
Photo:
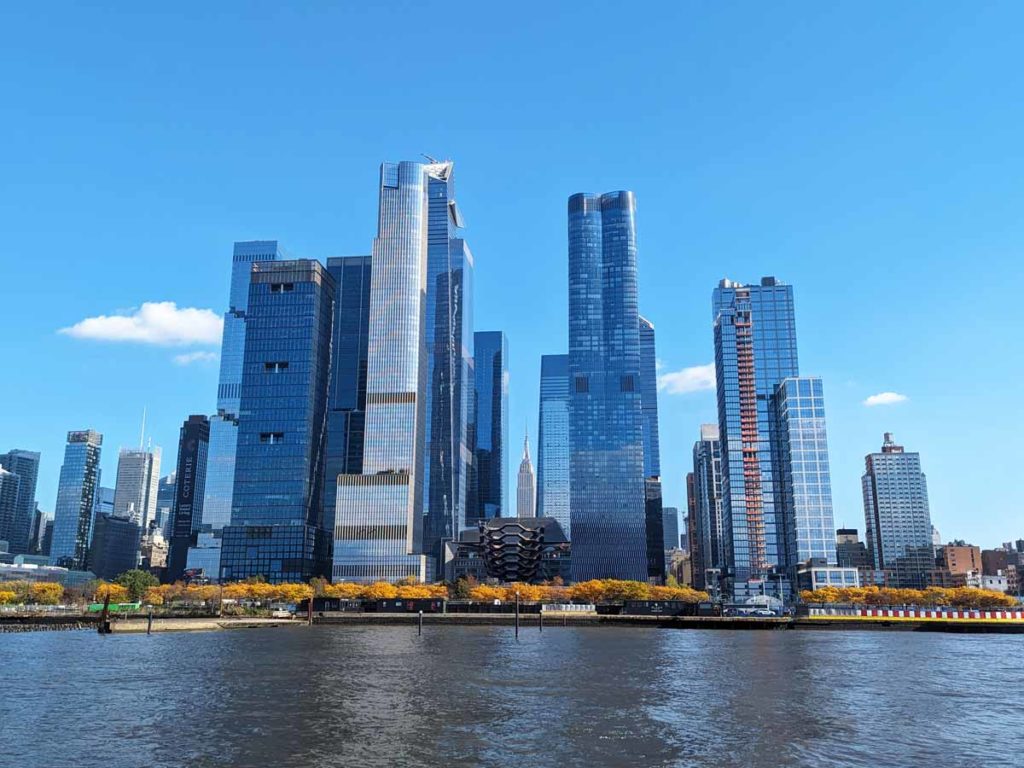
[
  {"x": 10, "y": 484},
  {"x": 709, "y": 547},
  {"x": 135, "y": 491},
  {"x": 804, "y": 483},
  {"x": 553, "y": 441},
  {"x": 609, "y": 501},
  {"x": 755, "y": 349},
  {"x": 24, "y": 464},
  {"x": 346, "y": 400},
  {"x": 649, "y": 400},
  {"x": 378, "y": 532},
  {"x": 276, "y": 529},
  {"x": 896, "y": 513},
  {"x": 490, "y": 426},
  {"x": 76, "y": 490},
  {"x": 220, "y": 465},
  {"x": 189, "y": 492},
  {"x": 448, "y": 335}
]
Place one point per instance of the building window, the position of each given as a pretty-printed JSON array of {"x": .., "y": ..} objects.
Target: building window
[
  {"x": 282, "y": 287},
  {"x": 275, "y": 367},
  {"x": 582, "y": 384},
  {"x": 271, "y": 438},
  {"x": 626, "y": 384}
]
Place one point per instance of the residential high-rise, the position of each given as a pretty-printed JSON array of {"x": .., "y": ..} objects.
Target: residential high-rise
[
  {"x": 189, "y": 492},
  {"x": 896, "y": 514},
  {"x": 378, "y": 531},
  {"x": 276, "y": 529},
  {"x": 709, "y": 547},
  {"x": 220, "y": 462},
  {"x": 24, "y": 464},
  {"x": 448, "y": 339},
  {"x": 670, "y": 527},
  {"x": 138, "y": 475},
  {"x": 803, "y": 483},
  {"x": 850, "y": 550},
  {"x": 609, "y": 500},
  {"x": 165, "y": 492},
  {"x": 755, "y": 349},
  {"x": 76, "y": 490},
  {"x": 526, "y": 489},
  {"x": 10, "y": 485},
  {"x": 346, "y": 399},
  {"x": 553, "y": 441},
  {"x": 649, "y": 399},
  {"x": 490, "y": 427}
]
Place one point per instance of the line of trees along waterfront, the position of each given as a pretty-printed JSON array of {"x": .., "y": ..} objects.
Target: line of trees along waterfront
[{"x": 933, "y": 597}]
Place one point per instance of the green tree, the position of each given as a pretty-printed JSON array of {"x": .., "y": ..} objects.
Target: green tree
[{"x": 136, "y": 582}]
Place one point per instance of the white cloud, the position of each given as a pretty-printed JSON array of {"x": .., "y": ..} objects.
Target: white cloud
[
  {"x": 155, "y": 322},
  {"x": 194, "y": 357},
  {"x": 696, "y": 378},
  {"x": 885, "y": 398}
]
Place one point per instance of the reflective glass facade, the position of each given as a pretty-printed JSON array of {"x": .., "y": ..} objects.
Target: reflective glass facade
[
  {"x": 346, "y": 400},
  {"x": 649, "y": 399},
  {"x": 10, "y": 484},
  {"x": 803, "y": 478},
  {"x": 76, "y": 491},
  {"x": 220, "y": 463},
  {"x": 490, "y": 427},
  {"x": 609, "y": 506},
  {"x": 709, "y": 548},
  {"x": 115, "y": 546},
  {"x": 282, "y": 432},
  {"x": 24, "y": 464},
  {"x": 448, "y": 333},
  {"x": 378, "y": 530},
  {"x": 670, "y": 527},
  {"x": 755, "y": 349},
  {"x": 189, "y": 488},
  {"x": 896, "y": 512},
  {"x": 553, "y": 441},
  {"x": 135, "y": 491}
]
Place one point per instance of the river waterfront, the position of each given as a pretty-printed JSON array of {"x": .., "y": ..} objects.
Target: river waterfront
[{"x": 466, "y": 696}]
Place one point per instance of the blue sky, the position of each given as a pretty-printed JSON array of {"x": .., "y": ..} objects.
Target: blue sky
[{"x": 869, "y": 154}]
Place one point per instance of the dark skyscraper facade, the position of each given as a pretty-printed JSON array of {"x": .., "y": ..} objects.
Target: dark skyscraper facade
[
  {"x": 189, "y": 490},
  {"x": 649, "y": 399},
  {"x": 115, "y": 546},
  {"x": 76, "y": 492},
  {"x": 346, "y": 399},
  {"x": 755, "y": 349},
  {"x": 609, "y": 504},
  {"x": 490, "y": 427},
  {"x": 24, "y": 464},
  {"x": 708, "y": 546},
  {"x": 553, "y": 441},
  {"x": 448, "y": 333},
  {"x": 276, "y": 526}
]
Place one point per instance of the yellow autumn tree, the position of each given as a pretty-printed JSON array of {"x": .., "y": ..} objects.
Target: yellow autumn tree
[
  {"x": 380, "y": 590},
  {"x": 46, "y": 593},
  {"x": 154, "y": 595},
  {"x": 414, "y": 592},
  {"x": 7, "y": 596},
  {"x": 484, "y": 593},
  {"x": 117, "y": 593},
  {"x": 293, "y": 593},
  {"x": 346, "y": 590}
]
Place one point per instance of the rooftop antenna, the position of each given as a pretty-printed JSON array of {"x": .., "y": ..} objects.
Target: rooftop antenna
[{"x": 142, "y": 434}]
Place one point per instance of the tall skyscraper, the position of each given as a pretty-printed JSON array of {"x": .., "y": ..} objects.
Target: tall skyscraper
[
  {"x": 609, "y": 500},
  {"x": 135, "y": 491},
  {"x": 9, "y": 487},
  {"x": 670, "y": 527},
  {"x": 708, "y": 547},
  {"x": 490, "y": 426},
  {"x": 553, "y": 441},
  {"x": 896, "y": 514},
  {"x": 114, "y": 548},
  {"x": 76, "y": 490},
  {"x": 24, "y": 464},
  {"x": 755, "y": 349},
  {"x": 649, "y": 399},
  {"x": 276, "y": 529},
  {"x": 165, "y": 492},
  {"x": 346, "y": 399},
  {"x": 378, "y": 532},
  {"x": 526, "y": 490},
  {"x": 803, "y": 484},
  {"x": 189, "y": 492},
  {"x": 448, "y": 336},
  {"x": 220, "y": 463}
]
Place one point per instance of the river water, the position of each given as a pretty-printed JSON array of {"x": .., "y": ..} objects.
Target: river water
[{"x": 469, "y": 696}]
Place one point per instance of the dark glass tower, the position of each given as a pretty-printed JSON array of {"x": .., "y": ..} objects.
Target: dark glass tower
[
  {"x": 76, "y": 493},
  {"x": 448, "y": 331},
  {"x": 553, "y": 441},
  {"x": 708, "y": 548},
  {"x": 609, "y": 504},
  {"x": 277, "y": 520},
  {"x": 346, "y": 399},
  {"x": 189, "y": 492},
  {"x": 490, "y": 427},
  {"x": 24, "y": 464}
]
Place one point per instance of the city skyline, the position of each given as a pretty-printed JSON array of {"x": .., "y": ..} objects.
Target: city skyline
[{"x": 927, "y": 347}]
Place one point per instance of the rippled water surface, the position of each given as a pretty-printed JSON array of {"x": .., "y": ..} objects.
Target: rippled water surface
[{"x": 381, "y": 696}]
